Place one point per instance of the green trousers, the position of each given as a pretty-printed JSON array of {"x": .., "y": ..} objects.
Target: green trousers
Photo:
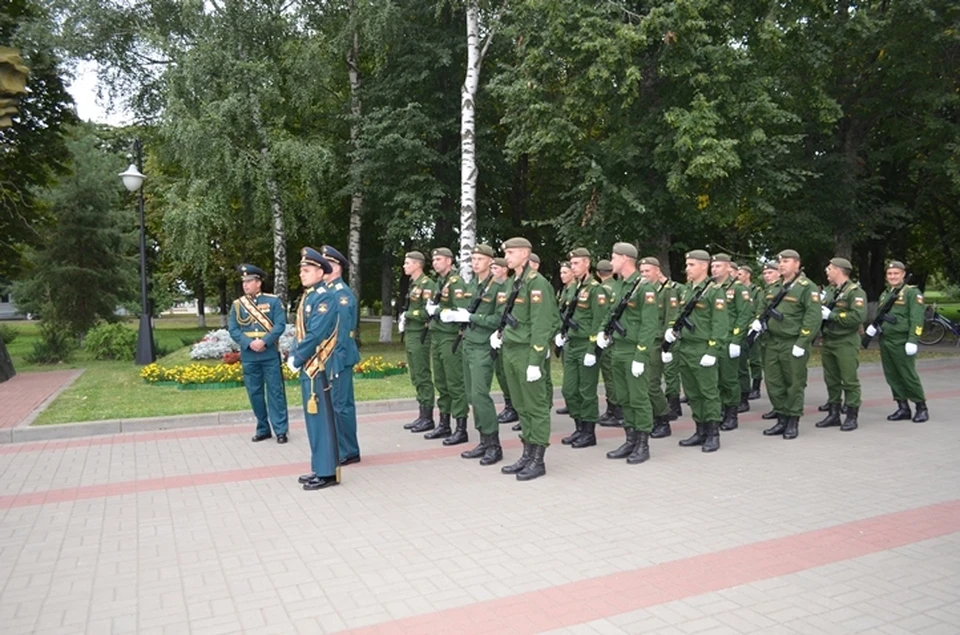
[
  {"x": 751, "y": 366},
  {"x": 633, "y": 392},
  {"x": 671, "y": 378},
  {"x": 728, "y": 379},
  {"x": 529, "y": 397},
  {"x": 655, "y": 373},
  {"x": 900, "y": 369},
  {"x": 699, "y": 383},
  {"x": 418, "y": 365},
  {"x": 606, "y": 371},
  {"x": 477, "y": 379},
  {"x": 786, "y": 376},
  {"x": 501, "y": 377},
  {"x": 580, "y": 382},
  {"x": 448, "y": 375},
  {"x": 841, "y": 359}
]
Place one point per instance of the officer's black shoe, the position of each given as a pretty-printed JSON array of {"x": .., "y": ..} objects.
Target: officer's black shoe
[
  {"x": 754, "y": 390},
  {"x": 350, "y": 460},
  {"x": 442, "y": 431},
  {"x": 508, "y": 414},
  {"x": 769, "y": 415},
  {"x": 824, "y": 408},
  {"x": 478, "y": 451},
  {"x": 712, "y": 442},
  {"x": 516, "y": 427},
  {"x": 902, "y": 413},
  {"x": 683, "y": 399},
  {"x": 588, "y": 437},
  {"x": 521, "y": 462},
  {"x": 320, "y": 483},
  {"x": 850, "y": 423},
  {"x": 535, "y": 468},
  {"x": 731, "y": 420},
  {"x": 922, "y": 414},
  {"x": 261, "y": 437},
  {"x": 607, "y": 418},
  {"x": 426, "y": 414},
  {"x": 494, "y": 453},
  {"x": 578, "y": 428},
  {"x": 306, "y": 478},
  {"x": 776, "y": 428},
  {"x": 625, "y": 450},
  {"x": 744, "y": 402},
  {"x": 697, "y": 438},
  {"x": 282, "y": 438},
  {"x": 793, "y": 428},
  {"x": 563, "y": 411},
  {"x": 675, "y": 410},
  {"x": 460, "y": 435},
  {"x": 641, "y": 451},
  {"x": 618, "y": 416},
  {"x": 661, "y": 428},
  {"x": 832, "y": 419}
]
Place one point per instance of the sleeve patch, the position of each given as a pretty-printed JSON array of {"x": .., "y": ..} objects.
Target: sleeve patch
[
  {"x": 536, "y": 296},
  {"x": 745, "y": 295},
  {"x": 730, "y": 294},
  {"x": 858, "y": 302},
  {"x": 814, "y": 296},
  {"x": 601, "y": 300},
  {"x": 719, "y": 304},
  {"x": 501, "y": 297},
  {"x": 344, "y": 300},
  {"x": 650, "y": 297},
  {"x": 919, "y": 299},
  {"x": 458, "y": 294},
  {"x": 427, "y": 293},
  {"x": 323, "y": 308},
  {"x": 673, "y": 302}
]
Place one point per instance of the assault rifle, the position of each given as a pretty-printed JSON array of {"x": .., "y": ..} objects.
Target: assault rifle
[
  {"x": 474, "y": 305},
  {"x": 613, "y": 324},
  {"x": 883, "y": 315},
  {"x": 771, "y": 311},
  {"x": 507, "y": 318},
  {"x": 436, "y": 315},
  {"x": 832, "y": 304},
  {"x": 683, "y": 318},
  {"x": 566, "y": 315}
]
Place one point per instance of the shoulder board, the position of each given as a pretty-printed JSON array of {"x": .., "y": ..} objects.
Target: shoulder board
[
  {"x": 236, "y": 302},
  {"x": 454, "y": 279},
  {"x": 594, "y": 283},
  {"x": 803, "y": 282},
  {"x": 269, "y": 295},
  {"x": 339, "y": 286},
  {"x": 531, "y": 275}
]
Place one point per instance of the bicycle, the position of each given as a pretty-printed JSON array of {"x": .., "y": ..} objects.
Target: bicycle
[{"x": 935, "y": 328}]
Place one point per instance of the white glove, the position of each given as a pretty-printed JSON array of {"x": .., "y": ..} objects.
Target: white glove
[
  {"x": 708, "y": 361},
  {"x": 756, "y": 327},
  {"x": 559, "y": 340},
  {"x": 496, "y": 341},
  {"x": 455, "y": 315},
  {"x": 911, "y": 348},
  {"x": 589, "y": 360},
  {"x": 636, "y": 369},
  {"x": 666, "y": 357},
  {"x": 402, "y": 323},
  {"x": 602, "y": 340},
  {"x": 432, "y": 308},
  {"x": 670, "y": 336},
  {"x": 533, "y": 373},
  {"x": 292, "y": 364},
  {"x": 825, "y": 312},
  {"x": 734, "y": 350},
  {"x": 872, "y": 330},
  {"x": 798, "y": 352}
]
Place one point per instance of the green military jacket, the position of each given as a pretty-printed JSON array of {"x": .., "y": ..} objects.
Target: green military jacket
[
  {"x": 590, "y": 311},
  {"x": 710, "y": 318},
  {"x": 849, "y": 308},
  {"x": 451, "y": 290},
  {"x": 800, "y": 309},
  {"x": 538, "y": 317},
  {"x": 908, "y": 310},
  {"x": 485, "y": 320},
  {"x": 640, "y": 318},
  {"x": 421, "y": 292},
  {"x": 668, "y": 303},
  {"x": 741, "y": 311}
]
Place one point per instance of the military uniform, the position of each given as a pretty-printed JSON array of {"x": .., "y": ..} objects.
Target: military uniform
[
  {"x": 751, "y": 361},
  {"x": 613, "y": 415},
  {"x": 668, "y": 304},
  {"x": 563, "y": 302},
  {"x": 671, "y": 371},
  {"x": 899, "y": 367},
  {"x": 740, "y": 312},
  {"x": 261, "y": 317},
  {"x": 417, "y": 345}
]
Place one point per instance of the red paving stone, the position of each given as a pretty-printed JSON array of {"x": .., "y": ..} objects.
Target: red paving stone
[{"x": 26, "y": 392}]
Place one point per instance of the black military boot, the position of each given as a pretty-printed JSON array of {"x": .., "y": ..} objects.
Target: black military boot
[
  {"x": 535, "y": 468},
  {"x": 618, "y": 416},
  {"x": 607, "y": 418},
  {"x": 425, "y": 421},
  {"x": 494, "y": 453},
  {"x": 442, "y": 431},
  {"x": 697, "y": 438},
  {"x": 508, "y": 414},
  {"x": 824, "y": 408},
  {"x": 516, "y": 427},
  {"x": 902, "y": 413},
  {"x": 744, "y": 402},
  {"x": 922, "y": 414},
  {"x": 850, "y": 423},
  {"x": 754, "y": 390},
  {"x": 793, "y": 428},
  {"x": 777, "y": 428},
  {"x": 675, "y": 410},
  {"x": 563, "y": 410},
  {"x": 712, "y": 442},
  {"x": 661, "y": 428},
  {"x": 625, "y": 450},
  {"x": 578, "y": 428},
  {"x": 770, "y": 415},
  {"x": 731, "y": 419},
  {"x": 641, "y": 451},
  {"x": 521, "y": 463},
  {"x": 832, "y": 419},
  {"x": 478, "y": 451},
  {"x": 460, "y": 435},
  {"x": 586, "y": 438}
]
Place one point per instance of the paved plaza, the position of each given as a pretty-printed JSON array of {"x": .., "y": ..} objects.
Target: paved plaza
[{"x": 198, "y": 530}]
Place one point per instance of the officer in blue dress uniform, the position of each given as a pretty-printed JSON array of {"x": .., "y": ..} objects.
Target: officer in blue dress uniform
[
  {"x": 317, "y": 333},
  {"x": 256, "y": 322},
  {"x": 346, "y": 355}
]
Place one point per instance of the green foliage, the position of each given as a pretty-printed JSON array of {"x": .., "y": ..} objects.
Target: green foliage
[
  {"x": 56, "y": 343},
  {"x": 7, "y": 334},
  {"x": 111, "y": 341}
]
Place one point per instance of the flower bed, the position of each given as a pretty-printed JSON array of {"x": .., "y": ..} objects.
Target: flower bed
[
  {"x": 193, "y": 376},
  {"x": 375, "y": 367}
]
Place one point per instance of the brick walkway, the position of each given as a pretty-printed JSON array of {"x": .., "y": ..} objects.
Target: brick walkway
[
  {"x": 21, "y": 396},
  {"x": 200, "y": 531}
]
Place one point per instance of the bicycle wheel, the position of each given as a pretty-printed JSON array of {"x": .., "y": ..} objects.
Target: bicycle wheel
[{"x": 933, "y": 333}]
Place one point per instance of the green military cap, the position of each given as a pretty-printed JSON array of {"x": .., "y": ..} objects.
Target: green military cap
[
  {"x": 789, "y": 253},
  {"x": 535, "y": 258},
  {"x": 734, "y": 265},
  {"x": 625, "y": 249},
  {"x": 604, "y": 266},
  {"x": 719, "y": 258},
  {"x": 579, "y": 252},
  {"x": 698, "y": 254},
  {"x": 500, "y": 262},
  {"x": 415, "y": 255},
  {"x": 516, "y": 242},
  {"x": 441, "y": 251},
  {"x": 649, "y": 260},
  {"x": 896, "y": 264},
  {"x": 843, "y": 263},
  {"x": 746, "y": 268},
  {"x": 565, "y": 263},
  {"x": 486, "y": 250},
  {"x": 772, "y": 266}
]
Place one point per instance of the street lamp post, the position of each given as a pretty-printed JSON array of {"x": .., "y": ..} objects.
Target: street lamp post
[{"x": 133, "y": 180}]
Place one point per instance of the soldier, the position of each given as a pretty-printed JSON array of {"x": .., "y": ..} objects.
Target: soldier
[
  {"x": 580, "y": 370},
  {"x": 771, "y": 277},
  {"x": 567, "y": 291},
  {"x": 699, "y": 348},
  {"x": 486, "y": 299},
  {"x": 413, "y": 322},
  {"x": 447, "y": 364},
  {"x": 613, "y": 415},
  {"x": 668, "y": 305},
  {"x": 898, "y": 344},
  {"x": 740, "y": 312},
  {"x": 256, "y": 322},
  {"x": 312, "y": 350},
  {"x": 843, "y": 308},
  {"x": 345, "y": 356},
  {"x": 524, "y": 357},
  {"x": 751, "y": 364},
  {"x": 501, "y": 275},
  {"x": 548, "y": 374},
  {"x": 789, "y": 341}
]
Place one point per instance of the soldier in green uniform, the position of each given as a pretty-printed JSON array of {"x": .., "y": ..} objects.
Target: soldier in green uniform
[
  {"x": 548, "y": 373},
  {"x": 478, "y": 314},
  {"x": 740, "y": 312},
  {"x": 671, "y": 375},
  {"x": 841, "y": 343},
  {"x": 613, "y": 415},
  {"x": 771, "y": 277},
  {"x": 698, "y": 350},
  {"x": 413, "y": 323},
  {"x": 447, "y": 364},
  {"x": 580, "y": 370},
  {"x": 501, "y": 275},
  {"x": 751, "y": 363},
  {"x": 668, "y": 304},
  {"x": 898, "y": 345},
  {"x": 256, "y": 322},
  {"x": 789, "y": 342},
  {"x": 563, "y": 298},
  {"x": 524, "y": 357}
]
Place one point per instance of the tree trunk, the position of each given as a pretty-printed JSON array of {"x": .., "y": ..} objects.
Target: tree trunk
[
  {"x": 223, "y": 302},
  {"x": 6, "y": 364},
  {"x": 201, "y": 305},
  {"x": 468, "y": 140},
  {"x": 276, "y": 210},
  {"x": 356, "y": 200},
  {"x": 386, "y": 297}
]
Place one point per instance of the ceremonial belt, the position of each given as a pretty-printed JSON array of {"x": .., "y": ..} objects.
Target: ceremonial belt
[
  {"x": 254, "y": 311},
  {"x": 316, "y": 364},
  {"x": 255, "y": 333}
]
